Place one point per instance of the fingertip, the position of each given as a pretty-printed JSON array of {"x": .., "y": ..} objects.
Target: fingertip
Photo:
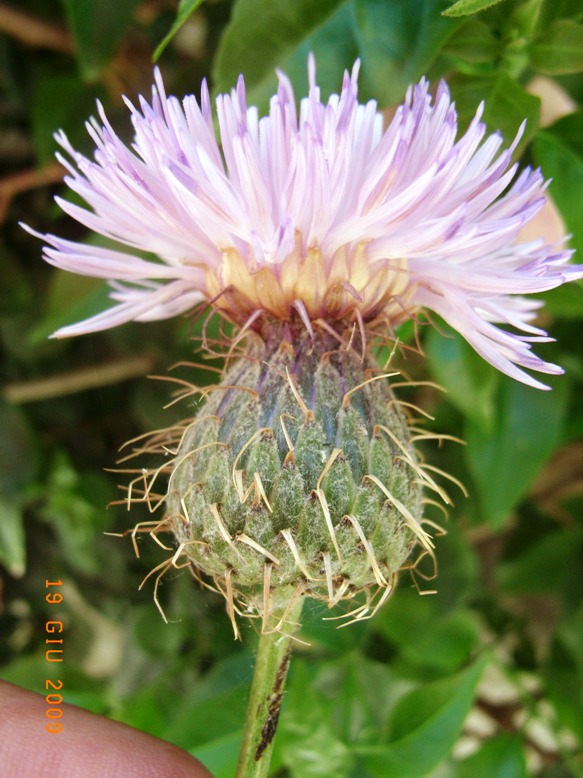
[{"x": 86, "y": 744}]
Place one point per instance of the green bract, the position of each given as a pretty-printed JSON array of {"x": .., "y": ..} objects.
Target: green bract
[{"x": 297, "y": 477}]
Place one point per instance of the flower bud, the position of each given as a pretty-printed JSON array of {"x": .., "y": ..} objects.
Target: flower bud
[{"x": 297, "y": 478}]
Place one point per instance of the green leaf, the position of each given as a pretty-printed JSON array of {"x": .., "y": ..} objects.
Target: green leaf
[
  {"x": 17, "y": 293},
  {"x": 334, "y": 46},
  {"x": 565, "y": 301},
  {"x": 507, "y": 106},
  {"x": 569, "y": 131},
  {"x": 359, "y": 708},
  {"x": 469, "y": 380},
  {"x": 185, "y": 10},
  {"x": 426, "y": 724},
  {"x": 565, "y": 167},
  {"x": 397, "y": 42},
  {"x": 325, "y": 755},
  {"x": 74, "y": 505},
  {"x": 474, "y": 42},
  {"x": 261, "y": 33},
  {"x": 467, "y": 7},
  {"x": 557, "y": 9},
  {"x": 520, "y": 25},
  {"x": 71, "y": 298},
  {"x": 12, "y": 538},
  {"x": 560, "y": 51},
  {"x": 98, "y": 27},
  {"x": 202, "y": 722},
  {"x": 317, "y": 631},
  {"x": 550, "y": 565},
  {"x": 30, "y": 671},
  {"x": 214, "y": 707},
  {"x": 563, "y": 671},
  {"x": 505, "y": 461},
  {"x": 503, "y": 757},
  {"x": 220, "y": 756},
  {"x": 51, "y": 113},
  {"x": 348, "y": 693},
  {"x": 444, "y": 644},
  {"x": 307, "y": 743},
  {"x": 18, "y": 464}
]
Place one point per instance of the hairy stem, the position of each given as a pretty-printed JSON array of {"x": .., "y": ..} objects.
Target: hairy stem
[{"x": 267, "y": 690}]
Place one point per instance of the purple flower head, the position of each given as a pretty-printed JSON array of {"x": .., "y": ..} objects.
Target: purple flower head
[{"x": 317, "y": 212}]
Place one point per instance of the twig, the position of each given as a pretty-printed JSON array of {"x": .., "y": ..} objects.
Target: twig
[
  {"x": 79, "y": 380},
  {"x": 32, "y": 31},
  {"x": 12, "y": 185}
]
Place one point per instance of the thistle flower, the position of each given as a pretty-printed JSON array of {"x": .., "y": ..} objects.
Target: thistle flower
[
  {"x": 299, "y": 476},
  {"x": 319, "y": 212}
]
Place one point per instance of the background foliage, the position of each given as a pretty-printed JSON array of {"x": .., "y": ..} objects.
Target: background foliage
[{"x": 483, "y": 678}]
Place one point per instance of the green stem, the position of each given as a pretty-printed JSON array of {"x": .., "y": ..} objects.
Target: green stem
[{"x": 269, "y": 676}]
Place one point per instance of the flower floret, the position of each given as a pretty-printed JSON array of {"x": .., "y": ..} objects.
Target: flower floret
[{"x": 314, "y": 210}]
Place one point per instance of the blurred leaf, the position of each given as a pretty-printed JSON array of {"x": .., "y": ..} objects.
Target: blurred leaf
[
  {"x": 215, "y": 705},
  {"x": 458, "y": 570},
  {"x": 519, "y": 20},
  {"x": 17, "y": 291},
  {"x": 306, "y": 741},
  {"x": 18, "y": 451},
  {"x": 213, "y": 708},
  {"x": 549, "y": 10},
  {"x": 98, "y": 27},
  {"x": 552, "y": 564},
  {"x": 261, "y": 33},
  {"x": 316, "y": 630},
  {"x": 565, "y": 301},
  {"x": 560, "y": 50},
  {"x": 333, "y": 44},
  {"x": 563, "y": 671},
  {"x": 467, "y": 7},
  {"x": 18, "y": 463},
  {"x": 148, "y": 708},
  {"x": 50, "y": 112},
  {"x": 562, "y": 163},
  {"x": 469, "y": 380},
  {"x": 507, "y": 106},
  {"x": 569, "y": 130},
  {"x": 426, "y": 725},
  {"x": 348, "y": 690},
  {"x": 397, "y": 43},
  {"x": 505, "y": 461},
  {"x": 12, "y": 539},
  {"x": 473, "y": 42},
  {"x": 449, "y": 635},
  {"x": 502, "y": 757},
  {"x": 469, "y": 90},
  {"x": 200, "y": 722},
  {"x": 220, "y": 756},
  {"x": 31, "y": 671},
  {"x": 571, "y": 631},
  {"x": 71, "y": 298},
  {"x": 74, "y": 505},
  {"x": 185, "y": 10},
  {"x": 148, "y": 634}
]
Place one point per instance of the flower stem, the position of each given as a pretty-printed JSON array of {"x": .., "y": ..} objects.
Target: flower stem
[{"x": 269, "y": 676}]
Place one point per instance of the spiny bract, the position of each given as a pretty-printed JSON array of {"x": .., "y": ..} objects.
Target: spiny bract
[{"x": 297, "y": 477}]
